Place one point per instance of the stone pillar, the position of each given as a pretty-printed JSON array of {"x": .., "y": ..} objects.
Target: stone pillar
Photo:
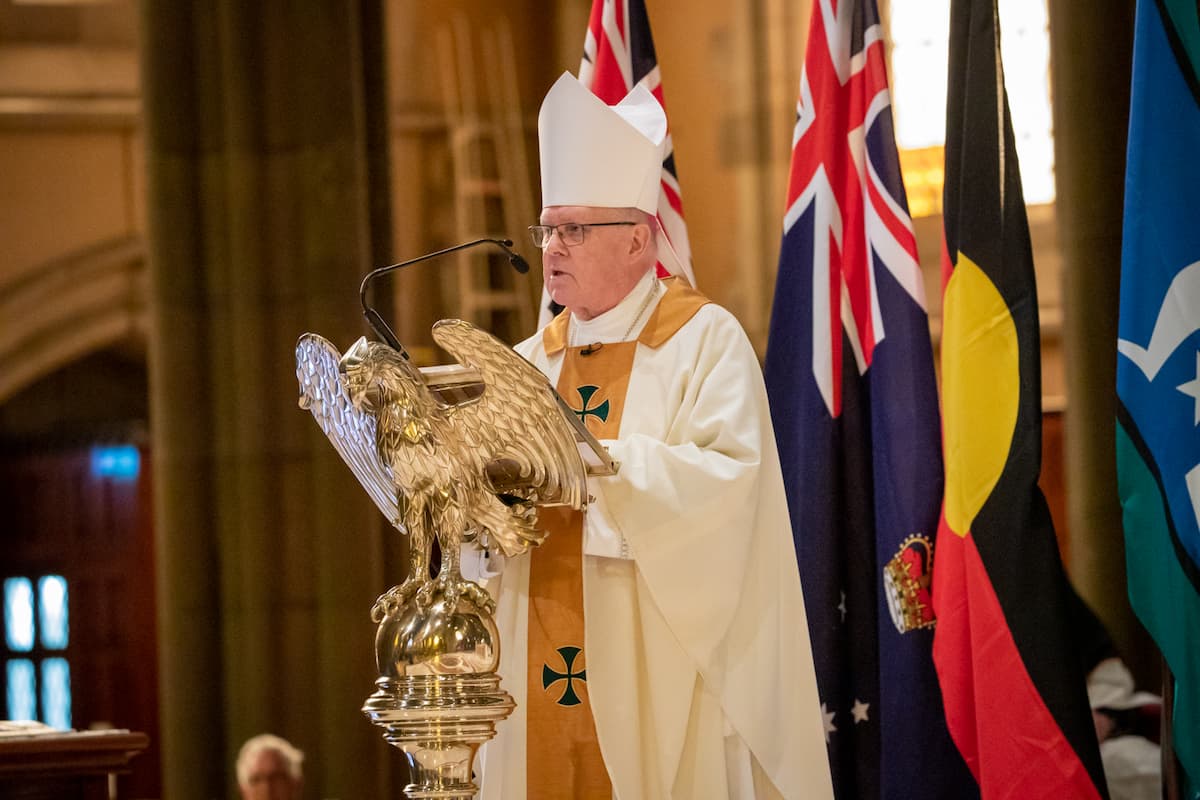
[
  {"x": 267, "y": 203},
  {"x": 1092, "y": 47}
]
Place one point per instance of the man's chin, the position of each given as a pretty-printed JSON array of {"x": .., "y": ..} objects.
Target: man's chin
[{"x": 559, "y": 294}]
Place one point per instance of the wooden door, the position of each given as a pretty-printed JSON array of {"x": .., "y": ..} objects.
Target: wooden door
[{"x": 67, "y": 513}]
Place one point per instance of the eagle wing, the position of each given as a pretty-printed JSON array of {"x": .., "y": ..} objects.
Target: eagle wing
[
  {"x": 517, "y": 420},
  {"x": 351, "y": 430}
]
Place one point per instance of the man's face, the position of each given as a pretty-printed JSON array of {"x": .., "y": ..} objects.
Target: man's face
[
  {"x": 269, "y": 779},
  {"x": 592, "y": 277}
]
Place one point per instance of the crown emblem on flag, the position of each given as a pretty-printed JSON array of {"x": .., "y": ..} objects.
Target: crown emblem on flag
[{"x": 906, "y": 579}]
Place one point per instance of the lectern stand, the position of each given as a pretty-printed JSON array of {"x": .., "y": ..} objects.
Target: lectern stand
[{"x": 66, "y": 766}]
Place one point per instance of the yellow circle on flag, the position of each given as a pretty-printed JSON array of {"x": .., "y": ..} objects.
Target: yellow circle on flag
[{"x": 980, "y": 390}]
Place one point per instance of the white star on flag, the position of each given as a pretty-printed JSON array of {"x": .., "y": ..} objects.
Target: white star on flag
[
  {"x": 860, "y": 710},
  {"x": 827, "y": 719},
  {"x": 1192, "y": 387}
]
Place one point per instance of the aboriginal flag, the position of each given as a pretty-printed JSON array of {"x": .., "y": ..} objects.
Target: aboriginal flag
[{"x": 1012, "y": 682}]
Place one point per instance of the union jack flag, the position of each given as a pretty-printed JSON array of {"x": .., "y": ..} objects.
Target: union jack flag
[
  {"x": 618, "y": 54},
  {"x": 856, "y": 419}
]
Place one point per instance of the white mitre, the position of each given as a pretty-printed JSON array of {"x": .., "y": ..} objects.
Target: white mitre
[
  {"x": 602, "y": 156},
  {"x": 594, "y": 154}
]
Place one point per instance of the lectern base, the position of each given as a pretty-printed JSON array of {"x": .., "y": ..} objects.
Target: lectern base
[{"x": 439, "y": 722}]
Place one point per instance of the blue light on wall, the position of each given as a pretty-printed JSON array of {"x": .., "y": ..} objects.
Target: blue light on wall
[{"x": 118, "y": 463}]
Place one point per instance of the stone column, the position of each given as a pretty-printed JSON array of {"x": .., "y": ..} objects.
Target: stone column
[
  {"x": 1092, "y": 47},
  {"x": 267, "y": 203}
]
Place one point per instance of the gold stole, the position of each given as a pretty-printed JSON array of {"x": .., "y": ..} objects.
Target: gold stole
[{"x": 562, "y": 752}]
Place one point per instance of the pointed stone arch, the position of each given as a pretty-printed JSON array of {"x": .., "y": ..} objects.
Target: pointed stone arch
[{"x": 64, "y": 309}]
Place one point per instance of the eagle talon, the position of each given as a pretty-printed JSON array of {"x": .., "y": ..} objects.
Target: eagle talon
[
  {"x": 424, "y": 595},
  {"x": 390, "y": 602},
  {"x": 479, "y": 596}
]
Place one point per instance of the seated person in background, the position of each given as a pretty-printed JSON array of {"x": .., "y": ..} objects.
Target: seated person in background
[
  {"x": 269, "y": 768},
  {"x": 1123, "y": 717},
  {"x": 1126, "y": 721}
]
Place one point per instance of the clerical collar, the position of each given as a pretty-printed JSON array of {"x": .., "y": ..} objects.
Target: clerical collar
[{"x": 624, "y": 320}]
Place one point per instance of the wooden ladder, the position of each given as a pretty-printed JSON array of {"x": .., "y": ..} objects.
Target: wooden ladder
[{"x": 492, "y": 196}]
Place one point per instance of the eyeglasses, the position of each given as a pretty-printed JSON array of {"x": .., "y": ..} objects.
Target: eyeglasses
[{"x": 570, "y": 233}]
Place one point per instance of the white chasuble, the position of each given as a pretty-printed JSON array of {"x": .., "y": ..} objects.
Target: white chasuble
[{"x": 698, "y": 666}]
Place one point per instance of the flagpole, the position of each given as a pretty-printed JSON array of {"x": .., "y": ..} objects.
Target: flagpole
[{"x": 1171, "y": 783}]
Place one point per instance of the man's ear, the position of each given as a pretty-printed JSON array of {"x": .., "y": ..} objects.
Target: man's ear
[{"x": 643, "y": 235}]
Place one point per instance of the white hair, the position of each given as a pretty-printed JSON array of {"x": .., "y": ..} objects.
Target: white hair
[{"x": 292, "y": 758}]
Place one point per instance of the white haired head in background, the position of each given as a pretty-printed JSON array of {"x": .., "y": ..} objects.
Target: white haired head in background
[{"x": 269, "y": 768}]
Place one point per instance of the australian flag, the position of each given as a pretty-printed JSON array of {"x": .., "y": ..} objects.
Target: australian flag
[
  {"x": 849, "y": 370},
  {"x": 618, "y": 54}
]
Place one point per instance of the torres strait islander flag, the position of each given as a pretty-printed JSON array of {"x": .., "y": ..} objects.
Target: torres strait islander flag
[
  {"x": 1158, "y": 366},
  {"x": 849, "y": 371},
  {"x": 1011, "y": 677},
  {"x": 618, "y": 54}
]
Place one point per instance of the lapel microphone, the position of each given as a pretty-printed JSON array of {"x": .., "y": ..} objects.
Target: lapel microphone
[{"x": 591, "y": 348}]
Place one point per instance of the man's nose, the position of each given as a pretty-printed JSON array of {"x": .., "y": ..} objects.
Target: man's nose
[{"x": 555, "y": 242}]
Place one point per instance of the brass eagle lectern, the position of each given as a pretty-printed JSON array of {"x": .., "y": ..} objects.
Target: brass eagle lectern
[{"x": 464, "y": 454}]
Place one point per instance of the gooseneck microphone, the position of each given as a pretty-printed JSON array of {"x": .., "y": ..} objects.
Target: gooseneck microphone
[{"x": 376, "y": 322}]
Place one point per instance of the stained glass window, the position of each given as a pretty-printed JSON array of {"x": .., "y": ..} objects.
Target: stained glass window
[
  {"x": 37, "y": 677},
  {"x": 22, "y": 697},
  {"x": 56, "y": 693},
  {"x": 18, "y": 614},
  {"x": 52, "y": 612}
]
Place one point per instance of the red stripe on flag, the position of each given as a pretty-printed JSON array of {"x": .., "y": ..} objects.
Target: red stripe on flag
[
  {"x": 596, "y": 21},
  {"x": 673, "y": 197},
  {"x": 835, "y": 322},
  {"x": 607, "y": 81},
  {"x": 900, "y": 230},
  {"x": 987, "y": 691}
]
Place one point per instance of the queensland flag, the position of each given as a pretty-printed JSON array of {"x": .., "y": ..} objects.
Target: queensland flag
[
  {"x": 618, "y": 54},
  {"x": 1158, "y": 366},
  {"x": 849, "y": 371}
]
